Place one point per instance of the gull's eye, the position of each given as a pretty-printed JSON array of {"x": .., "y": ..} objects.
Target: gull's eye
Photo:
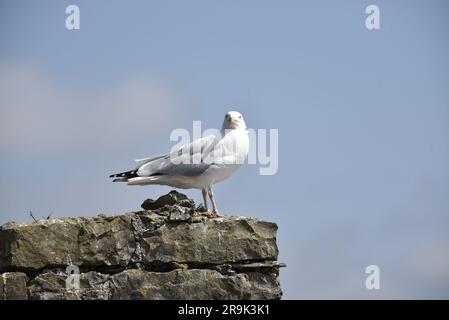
[{"x": 240, "y": 117}]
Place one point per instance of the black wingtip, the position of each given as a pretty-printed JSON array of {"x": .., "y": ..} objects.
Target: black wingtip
[{"x": 127, "y": 174}]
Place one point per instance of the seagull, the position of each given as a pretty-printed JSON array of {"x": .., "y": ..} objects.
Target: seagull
[{"x": 198, "y": 165}]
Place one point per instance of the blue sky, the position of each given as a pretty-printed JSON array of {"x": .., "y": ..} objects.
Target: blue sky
[{"x": 363, "y": 119}]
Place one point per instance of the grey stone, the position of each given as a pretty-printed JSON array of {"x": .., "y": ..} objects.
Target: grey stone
[
  {"x": 172, "y": 198},
  {"x": 178, "y": 213},
  {"x": 192, "y": 284},
  {"x": 52, "y": 286},
  {"x": 195, "y": 284},
  {"x": 13, "y": 286},
  {"x": 214, "y": 241},
  {"x": 92, "y": 242},
  {"x": 169, "y": 251}
]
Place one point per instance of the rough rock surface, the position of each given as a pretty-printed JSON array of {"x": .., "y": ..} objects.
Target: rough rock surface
[
  {"x": 13, "y": 286},
  {"x": 170, "y": 250}
]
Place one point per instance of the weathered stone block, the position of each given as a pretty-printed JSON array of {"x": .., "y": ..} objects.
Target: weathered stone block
[
  {"x": 13, "y": 286},
  {"x": 173, "y": 251}
]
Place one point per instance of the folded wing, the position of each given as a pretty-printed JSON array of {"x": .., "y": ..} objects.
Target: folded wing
[{"x": 186, "y": 161}]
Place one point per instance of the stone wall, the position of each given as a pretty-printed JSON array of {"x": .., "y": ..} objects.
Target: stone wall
[{"x": 170, "y": 250}]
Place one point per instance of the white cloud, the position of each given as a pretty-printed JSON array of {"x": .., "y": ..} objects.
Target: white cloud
[{"x": 40, "y": 117}]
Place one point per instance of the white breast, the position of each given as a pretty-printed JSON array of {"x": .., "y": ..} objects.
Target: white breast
[{"x": 228, "y": 155}]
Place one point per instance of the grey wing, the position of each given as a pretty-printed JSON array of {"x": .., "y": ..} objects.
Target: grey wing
[
  {"x": 186, "y": 161},
  {"x": 182, "y": 169}
]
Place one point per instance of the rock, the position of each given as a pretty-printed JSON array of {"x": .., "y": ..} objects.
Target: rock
[
  {"x": 48, "y": 286},
  {"x": 178, "y": 284},
  {"x": 172, "y": 198},
  {"x": 148, "y": 221},
  {"x": 178, "y": 213},
  {"x": 196, "y": 284},
  {"x": 171, "y": 251},
  {"x": 91, "y": 242},
  {"x": 13, "y": 286},
  {"x": 52, "y": 286},
  {"x": 214, "y": 241}
]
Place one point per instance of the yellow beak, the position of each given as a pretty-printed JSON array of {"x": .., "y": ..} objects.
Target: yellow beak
[{"x": 233, "y": 120}]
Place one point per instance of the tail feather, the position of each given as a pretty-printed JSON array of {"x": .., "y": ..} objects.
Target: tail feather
[{"x": 123, "y": 176}]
